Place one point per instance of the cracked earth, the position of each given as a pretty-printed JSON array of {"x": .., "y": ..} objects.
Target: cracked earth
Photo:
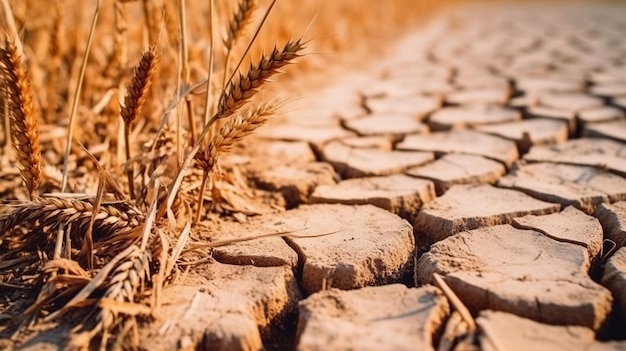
[{"x": 489, "y": 148}]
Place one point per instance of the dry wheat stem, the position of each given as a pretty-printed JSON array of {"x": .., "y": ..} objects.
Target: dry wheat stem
[
  {"x": 24, "y": 121},
  {"x": 454, "y": 299},
  {"x": 87, "y": 247},
  {"x": 205, "y": 178},
  {"x": 147, "y": 15},
  {"x": 120, "y": 42},
  {"x": 54, "y": 61},
  {"x": 207, "y": 98},
  {"x": 9, "y": 20}
]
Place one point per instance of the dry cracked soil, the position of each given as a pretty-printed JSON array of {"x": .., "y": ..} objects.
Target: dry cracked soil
[{"x": 488, "y": 148}]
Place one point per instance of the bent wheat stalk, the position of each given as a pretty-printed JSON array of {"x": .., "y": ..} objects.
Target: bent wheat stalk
[{"x": 23, "y": 120}]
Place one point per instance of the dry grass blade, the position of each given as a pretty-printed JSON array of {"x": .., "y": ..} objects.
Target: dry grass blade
[
  {"x": 240, "y": 91},
  {"x": 135, "y": 99},
  {"x": 24, "y": 121},
  {"x": 285, "y": 234}
]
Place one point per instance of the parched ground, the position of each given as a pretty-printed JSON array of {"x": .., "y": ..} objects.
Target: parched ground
[{"x": 488, "y": 148}]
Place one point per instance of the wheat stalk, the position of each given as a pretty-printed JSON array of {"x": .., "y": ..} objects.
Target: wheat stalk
[
  {"x": 77, "y": 92},
  {"x": 239, "y": 93},
  {"x": 186, "y": 73},
  {"x": 134, "y": 101},
  {"x": 24, "y": 121}
]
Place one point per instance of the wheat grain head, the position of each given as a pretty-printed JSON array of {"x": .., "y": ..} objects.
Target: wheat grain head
[
  {"x": 139, "y": 85},
  {"x": 49, "y": 212},
  {"x": 24, "y": 121},
  {"x": 240, "y": 21},
  {"x": 240, "y": 91},
  {"x": 233, "y": 131}
]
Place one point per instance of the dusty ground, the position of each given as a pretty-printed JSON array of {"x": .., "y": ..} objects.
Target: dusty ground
[{"x": 488, "y": 147}]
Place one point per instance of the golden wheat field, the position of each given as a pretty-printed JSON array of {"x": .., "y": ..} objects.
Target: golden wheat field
[{"x": 111, "y": 139}]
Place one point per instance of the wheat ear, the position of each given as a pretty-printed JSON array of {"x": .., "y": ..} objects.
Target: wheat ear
[
  {"x": 134, "y": 100},
  {"x": 49, "y": 212},
  {"x": 240, "y": 21},
  {"x": 236, "y": 28},
  {"x": 240, "y": 91},
  {"x": 234, "y": 130},
  {"x": 24, "y": 121},
  {"x": 126, "y": 280}
]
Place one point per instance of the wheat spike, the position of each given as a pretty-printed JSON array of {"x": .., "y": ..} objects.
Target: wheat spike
[
  {"x": 139, "y": 85},
  {"x": 51, "y": 211},
  {"x": 241, "y": 19},
  {"x": 240, "y": 91},
  {"x": 234, "y": 130},
  {"x": 24, "y": 121},
  {"x": 126, "y": 280},
  {"x": 129, "y": 274},
  {"x": 134, "y": 100}
]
